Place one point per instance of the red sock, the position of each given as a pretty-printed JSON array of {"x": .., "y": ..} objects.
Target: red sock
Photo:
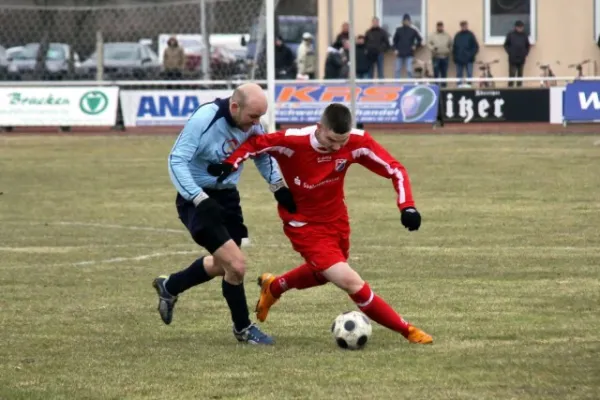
[
  {"x": 301, "y": 277},
  {"x": 378, "y": 310}
]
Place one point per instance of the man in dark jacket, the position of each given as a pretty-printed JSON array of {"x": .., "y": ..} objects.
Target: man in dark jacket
[
  {"x": 284, "y": 60},
  {"x": 362, "y": 58},
  {"x": 343, "y": 35},
  {"x": 517, "y": 47},
  {"x": 377, "y": 41},
  {"x": 335, "y": 63},
  {"x": 464, "y": 50},
  {"x": 406, "y": 41}
]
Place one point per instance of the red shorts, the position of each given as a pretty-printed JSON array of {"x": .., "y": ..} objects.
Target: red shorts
[{"x": 321, "y": 244}]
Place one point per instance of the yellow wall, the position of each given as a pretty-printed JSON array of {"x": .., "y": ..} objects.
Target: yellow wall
[{"x": 565, "y": 32}]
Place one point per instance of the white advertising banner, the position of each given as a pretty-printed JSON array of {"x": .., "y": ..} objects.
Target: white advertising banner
[
  {"x": 58, "y": 106},
  {"x": 556, "y": 104},
  {"x": 164, "y": 107}
]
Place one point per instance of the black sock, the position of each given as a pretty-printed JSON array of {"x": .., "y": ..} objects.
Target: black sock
[
  {"x": 193, "y": 275},
  {"x": 236, "y": 300}
]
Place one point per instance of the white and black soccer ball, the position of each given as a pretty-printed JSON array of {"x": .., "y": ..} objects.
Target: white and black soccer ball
[{"x": 351, "y": 330}]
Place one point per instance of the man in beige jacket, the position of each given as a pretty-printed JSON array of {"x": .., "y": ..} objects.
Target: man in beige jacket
[
  {"x": 440, "y": 45},
  {"x": 306, "y": 57}
]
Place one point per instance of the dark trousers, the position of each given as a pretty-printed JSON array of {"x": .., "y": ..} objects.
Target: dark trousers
[
  {"x": 203, "y": 232},
  {"x": 515, "y": 71},
  {"x": 440, "y": 68},
  {"x": 377, "y": 62}
]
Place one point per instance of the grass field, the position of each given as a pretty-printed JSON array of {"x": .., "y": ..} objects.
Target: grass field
[{"x": 505, "y": 274}]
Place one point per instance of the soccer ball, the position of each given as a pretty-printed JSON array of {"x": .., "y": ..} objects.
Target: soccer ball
[{"x": 351, "y": 330}]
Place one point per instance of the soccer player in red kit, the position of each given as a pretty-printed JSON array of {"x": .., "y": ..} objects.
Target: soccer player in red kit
[{"x": 314, "y": 161}]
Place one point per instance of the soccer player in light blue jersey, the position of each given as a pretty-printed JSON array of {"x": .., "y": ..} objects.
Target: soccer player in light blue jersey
[{"x": 211, "y": 210}]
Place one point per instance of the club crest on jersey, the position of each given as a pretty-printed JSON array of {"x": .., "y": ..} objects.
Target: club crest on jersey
[
  {"x": 340, "y": 164},
  {"x": 229, "y": 146}
]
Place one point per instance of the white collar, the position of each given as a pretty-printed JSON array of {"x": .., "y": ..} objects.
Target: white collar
[{"x": 315, "y": 143}]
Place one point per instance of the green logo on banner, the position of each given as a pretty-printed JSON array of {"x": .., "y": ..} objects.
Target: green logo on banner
[{"x": 93, "y": 103}]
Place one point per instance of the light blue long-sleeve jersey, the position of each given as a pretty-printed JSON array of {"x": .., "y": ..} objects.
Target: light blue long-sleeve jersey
[{"x": 210, "y": 136}]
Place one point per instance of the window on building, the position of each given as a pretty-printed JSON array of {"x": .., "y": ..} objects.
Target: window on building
[
  {"x": 390, "y": 13},
  {"x": 501, "y": 15}
]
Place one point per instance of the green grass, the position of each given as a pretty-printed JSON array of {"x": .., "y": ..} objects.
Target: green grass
[{"x": 505, "y": 274}]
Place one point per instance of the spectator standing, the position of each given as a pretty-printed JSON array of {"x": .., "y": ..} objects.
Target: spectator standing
[
  {"x": 173, "y": 59},
  {"x": 440, "y": 45},
  {"x": 406, "y": 40},
  {"x": 306, "y": 57},
  {"x": 334, "y": 63},
  {"x": 362, "y": 58},
  {"x": 343, "y": 35},
  {"x": 284, "y": 60},
  {"x": 377, "y": 42},
  {"x": 517, "y": 47},
  {"x": 464, "y": 50}
]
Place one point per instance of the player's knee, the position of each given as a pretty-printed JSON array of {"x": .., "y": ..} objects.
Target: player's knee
[
  {"x": 353, "y": 284},
  {"x": 238, "y": 266},
  {"x": 235, "y": 269},
  {"x": 344, "y": 277}
]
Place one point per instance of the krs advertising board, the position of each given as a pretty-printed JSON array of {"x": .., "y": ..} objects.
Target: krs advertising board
[{"x": 303, "y": 103}]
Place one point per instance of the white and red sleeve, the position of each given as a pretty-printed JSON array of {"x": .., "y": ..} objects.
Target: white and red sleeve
[
  {"x": 272, "y": 143},
  {"x": 373, "y": 156}
]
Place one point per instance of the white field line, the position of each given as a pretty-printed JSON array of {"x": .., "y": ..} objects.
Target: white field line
[
  {"x": 357, "y": 244},
  {"x": 115, "y": 226},
  {"x": 124, "y": 259}
]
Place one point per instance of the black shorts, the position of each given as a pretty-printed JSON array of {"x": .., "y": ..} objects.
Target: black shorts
[{"x": 208, "y": 235}]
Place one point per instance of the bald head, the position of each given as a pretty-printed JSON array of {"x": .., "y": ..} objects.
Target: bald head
[
  {"x": 248, "y": 103},
  {"x": 249, "y": 93}
]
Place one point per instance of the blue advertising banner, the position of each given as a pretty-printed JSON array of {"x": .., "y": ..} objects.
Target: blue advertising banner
[
  {"x": 581, "y": 101},
  {"x": 303, "y": 103}
]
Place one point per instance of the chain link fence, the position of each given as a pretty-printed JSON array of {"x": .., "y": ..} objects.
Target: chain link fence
[{"x": 128, "y": 39}]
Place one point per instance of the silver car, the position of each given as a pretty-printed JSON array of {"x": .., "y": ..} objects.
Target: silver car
[
  {"x": 56, "y": 63},
  {"x": 123, "y": 60}
]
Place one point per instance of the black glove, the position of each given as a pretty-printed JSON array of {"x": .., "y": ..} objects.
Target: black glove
[
  {"x": 286, "y": 199},
  {"x": 410, "y": 218},
  {"x": 222, "y": 170}
]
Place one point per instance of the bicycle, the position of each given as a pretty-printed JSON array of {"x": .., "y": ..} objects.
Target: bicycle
[
  {"x": 486, "y": 73},
  {"x": 579, "y": 68},
  {"x": 547, "y": 73}
]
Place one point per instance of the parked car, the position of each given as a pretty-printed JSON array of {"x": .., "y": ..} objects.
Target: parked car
[
  {"x": 3, "y": 64},
  {"x": 223, "y": 62},
  {"x": 123, "y": 60},
  {"x": 13, "y": 52},
  {"x": 56, "y": 63}
]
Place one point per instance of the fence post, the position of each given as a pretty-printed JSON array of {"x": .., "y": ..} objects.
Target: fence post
[{"x": 100, "y": 58}]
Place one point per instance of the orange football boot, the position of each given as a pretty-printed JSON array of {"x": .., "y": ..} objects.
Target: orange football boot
[
  {"x": 415, "y": 335},
  {"x": 266, "y": 299}
]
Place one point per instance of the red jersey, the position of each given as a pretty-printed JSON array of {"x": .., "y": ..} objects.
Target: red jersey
[{"x": 316, "y": 177}]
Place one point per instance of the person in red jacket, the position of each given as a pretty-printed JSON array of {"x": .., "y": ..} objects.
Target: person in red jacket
[{"x": 314, "y": 161}]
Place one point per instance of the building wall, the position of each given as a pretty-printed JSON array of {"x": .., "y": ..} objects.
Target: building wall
[{"x": 568, "y": 44}]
